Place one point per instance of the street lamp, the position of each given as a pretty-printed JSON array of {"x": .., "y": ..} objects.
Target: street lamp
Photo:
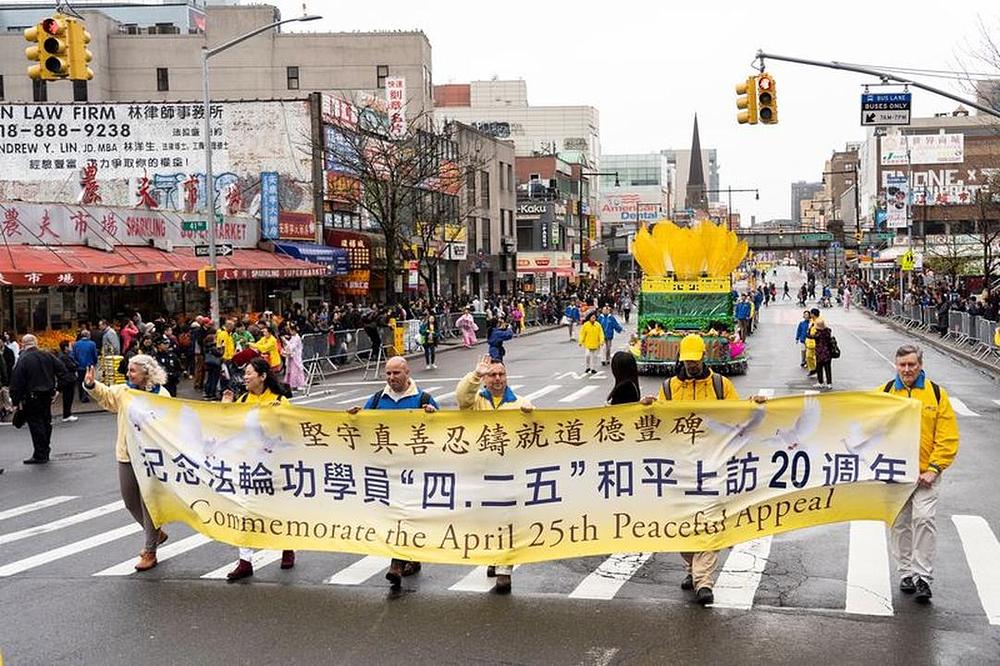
[
  {"x": 584, "y": 174},
  {"x": 207, "y": 53},
  {"x": 729, "y": 205}
]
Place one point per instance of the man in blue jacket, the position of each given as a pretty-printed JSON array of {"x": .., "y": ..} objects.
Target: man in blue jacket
[
  {"x": 742, "y": 314},
  {"x": 571, "y": 317},
  {"x": 85, "y": 353},
  {"x": 399, "y": 392},
  {"x": 758, "y": 300},
  {"x": 610, "y": 324},
  {"x": 801, "y": 332},
  {"x": 498, "y": 336}
]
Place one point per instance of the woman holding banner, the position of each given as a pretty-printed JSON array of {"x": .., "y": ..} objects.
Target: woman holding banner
[
  {"x": 144, "y": 374},
  {"x": 263, "y": 388}
]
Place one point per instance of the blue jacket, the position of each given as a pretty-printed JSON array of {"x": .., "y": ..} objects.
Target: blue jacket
[
  {"x": 758, "y": 298},
  {"x": 743, "y": 310},
  {"x": 411, "y": 400},
  {"x": 497, "y": 337},
  {"x": 573, "y": 313},
  {"x": 610, "y": 325},
  {"x": 85, "y": 353},
  {"x": 800, "y": 332}
]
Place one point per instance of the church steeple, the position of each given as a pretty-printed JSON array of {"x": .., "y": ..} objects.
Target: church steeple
[{"x": 695, "y": 197}]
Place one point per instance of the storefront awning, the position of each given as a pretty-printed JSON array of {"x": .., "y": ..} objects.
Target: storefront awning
[
  {"x": 74, "y": 265},
  {"x": 561, "y": 271},
  {"x": 334, "y": 258}
]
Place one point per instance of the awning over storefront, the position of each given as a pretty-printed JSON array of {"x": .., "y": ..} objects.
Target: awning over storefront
[
  {"x": 335, "y": 258},
  {"x": 560, "y": 271},
  {"x": 74, "y": 265}
]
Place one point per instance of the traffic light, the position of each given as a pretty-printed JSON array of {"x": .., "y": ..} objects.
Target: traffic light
[
  {"x": 207, "y": 278},
  {"x": 50, "y": 52},
  {"x": 79, "y": 54},
  {"x": 747, "y": 101},
  {"x": 767, "y": 100}
]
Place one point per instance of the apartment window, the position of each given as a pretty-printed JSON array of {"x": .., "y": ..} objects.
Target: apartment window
[
  {"x": 473, "y": 235},
  {"x": 39, "y": 91},
  {"x": 162, "y": 79},
  {"x": 510, "y": 176},
  {"x": 487, "y": 241},
  {"x": 470, "y": 186},
  {"x": 381, "y": 74},
  {"x": 503, "y": 175},
  {"x": 1, "y": 87},
  {"x": 484, "y": 189},
  {"x": 292, "y": 76}
]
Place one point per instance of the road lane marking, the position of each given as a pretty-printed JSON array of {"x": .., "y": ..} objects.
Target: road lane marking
[
  {"x": 329, "y": 396},
  {"x": 605, "y": 581},
  {"x": 360, "y": 571},
  {"x": 997, "y": 403},
  {"x": 162, "y": 553},
  {"x": 810, "y": 392},
  {"x": 982, "y": 551},
  {"x": 259, "y": 560},
  {"x": 960, "y": 407},
  {"x": 877, "y": 352},
  {"x": 545, "y": 390},
  {"x": 869, "y": 591},
  {"x": 599, "y": 656},
  {"x": 34, "y": 506},
  {"x": 354, "y": 397},
  {"x": 69, "y": 549},
  {"x": 766, "y": 393},
  {"x": 576, "y": 395},
  {"x": 737, "y": 584},
  {"x": 451, "y": 394},
  {"x": 62, "y": 522},
  {"x": 476, "y": 581}
]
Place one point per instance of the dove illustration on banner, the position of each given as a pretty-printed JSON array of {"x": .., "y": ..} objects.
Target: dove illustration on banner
[
  {"x": 737, "y": 436},
  {"x": 862, "y": 445},
  {"x": 804, "y": 426}
]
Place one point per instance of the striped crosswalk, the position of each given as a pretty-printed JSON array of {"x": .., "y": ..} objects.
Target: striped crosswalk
[{"x": 868, "y": 589}]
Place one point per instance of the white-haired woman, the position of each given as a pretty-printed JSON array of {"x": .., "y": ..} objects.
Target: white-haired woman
[{"x": 144, "y": 374}]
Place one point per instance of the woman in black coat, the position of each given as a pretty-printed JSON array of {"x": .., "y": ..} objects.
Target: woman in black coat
[{"x": 626, "y": 373}]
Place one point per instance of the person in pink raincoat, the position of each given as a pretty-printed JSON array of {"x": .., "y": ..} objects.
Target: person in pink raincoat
[
  {"x": 295, "y": 372},
  {"x": 468, "y": 326}
]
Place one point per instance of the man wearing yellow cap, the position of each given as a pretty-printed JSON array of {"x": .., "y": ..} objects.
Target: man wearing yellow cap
[{"x": 696, "y": 381}]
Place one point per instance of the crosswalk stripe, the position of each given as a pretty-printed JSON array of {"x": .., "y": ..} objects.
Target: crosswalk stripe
[
  {"x": 323, "y": 398},
  {"x": 605, "y": 581},
  {"x": 576, "y": 395},
  {"x": 869, "y": 591},
  {"x": 355, "y": 398},
  {"x": 545, "y": 390},
  {"x": 69, "y": 549},
  {"x": 982, "y": 551},
  {"x": 740, "y": 577},
  {"x": 162, "y": 553},
  {"x": 259, "y": 560},
  {"x": 431, "y": 389},
  {"x": 997, "y": 403},
  {"x": 476, "y": 581},
  {"x": 810, "y": 392},
  {"x": 444, "y": 396},
  {"x": 766, "y": 392},
  {"x": 359, "y": 571},
  {"x": 62, "y": 522},
  {"x": 960, "y": 407},
  {"x": 34, "y": 506}
]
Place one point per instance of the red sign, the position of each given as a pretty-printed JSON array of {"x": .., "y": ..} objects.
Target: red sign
[
  {"x": 341, "y": 188},
  {"x": 296, "y": 226},
  {"x": 358, "y": 246}
]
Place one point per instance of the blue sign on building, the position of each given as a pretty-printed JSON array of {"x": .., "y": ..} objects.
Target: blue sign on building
[{"x": 269, "y": 205}]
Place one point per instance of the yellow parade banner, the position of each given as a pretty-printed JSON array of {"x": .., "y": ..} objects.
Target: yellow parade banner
[{"x": 507, "y": 487}]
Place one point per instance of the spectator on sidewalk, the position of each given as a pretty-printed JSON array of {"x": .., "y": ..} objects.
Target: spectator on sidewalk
[
  {"x": 67, "y": 387},
  {"x": 85, "y": 354}
]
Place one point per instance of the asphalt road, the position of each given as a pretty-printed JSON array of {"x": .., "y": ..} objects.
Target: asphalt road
[{"x": 68, "y": 595}]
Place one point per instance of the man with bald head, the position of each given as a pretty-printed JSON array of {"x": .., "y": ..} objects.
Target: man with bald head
[
  {"x": 32, "y": 388},
  {"x": 399, "y": 392}
]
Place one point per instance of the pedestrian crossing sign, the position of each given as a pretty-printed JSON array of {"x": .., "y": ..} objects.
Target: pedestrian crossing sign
[{"x": 906, "y": 261}]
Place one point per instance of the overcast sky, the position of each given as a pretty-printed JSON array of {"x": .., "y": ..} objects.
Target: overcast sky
[{"x": 648, "y": 67}]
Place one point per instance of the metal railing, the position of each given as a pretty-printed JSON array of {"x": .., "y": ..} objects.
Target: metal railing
[{"x": 969, "y": 333}]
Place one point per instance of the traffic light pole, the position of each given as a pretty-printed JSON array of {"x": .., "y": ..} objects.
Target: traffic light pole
[
  {"x": 729, "y": 192},
  {"x": 885, "y": 76},
  {"x": 207, "y": 53}
]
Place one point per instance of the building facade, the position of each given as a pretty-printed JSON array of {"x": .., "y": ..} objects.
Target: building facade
[
  {"x": 680, "y": 160},
  {"x": 802, "y": 191}
]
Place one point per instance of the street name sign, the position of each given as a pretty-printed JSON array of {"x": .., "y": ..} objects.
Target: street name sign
[
  {"x": 885, "y": 109},
  {"x": 194, "y": 225},
  {"x": 221, "y": 250}
]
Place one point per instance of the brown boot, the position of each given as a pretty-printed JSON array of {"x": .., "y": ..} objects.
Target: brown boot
[
  {"x": 410, "y": 568},
  {"x": 244, "y": 569},
  {"x": 147, "y": 560},
  {"x": 503, "y": 584},
  {"x": 163, "y": 537},
  {"x": 395, "y": 574},
  {"x": 287, "y": 559}
]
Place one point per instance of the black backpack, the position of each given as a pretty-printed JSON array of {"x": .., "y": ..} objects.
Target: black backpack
[
  {"x": 934, "y": 387},
  {"x": 425, "y": 398},
  {"x": 716, "y": 386}
]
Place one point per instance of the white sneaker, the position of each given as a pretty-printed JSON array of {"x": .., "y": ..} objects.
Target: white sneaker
[
  {"x": 819, "y": 385},
  {"x": 70, "y": 419}
]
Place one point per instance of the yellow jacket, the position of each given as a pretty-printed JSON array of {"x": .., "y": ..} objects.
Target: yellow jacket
[
  {"x": 698, "y": 389},
  {"x": 268, "y": 397},
  {"x": 110, "y": 398},
  {"x": 471, "y": 394},
  {"x": 224, "y": 341},
  {"x": 268, "y": 347},
  {"x": 938, "y": 425},
  {"x": 591, "y": 335}
]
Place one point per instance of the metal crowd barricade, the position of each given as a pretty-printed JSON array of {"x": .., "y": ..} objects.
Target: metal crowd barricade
[{"x": 986, "y": 350}]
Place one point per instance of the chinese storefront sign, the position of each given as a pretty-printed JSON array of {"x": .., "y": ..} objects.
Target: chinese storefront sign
[
  {"x": 269, "y": 206},
  {"x": 395, "y": 101},
  {"x": 506, "y": 487},
  {"x": 296, "y": 226}
]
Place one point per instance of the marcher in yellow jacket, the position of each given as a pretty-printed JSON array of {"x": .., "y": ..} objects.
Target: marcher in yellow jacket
[
  {"x": 268, "y": 348},
  {"x": 485, "y": 389},
  {"x": 811, "y": 343},
  {"x": 696, "y": 381},
  {"x": 144, "y": 374},
  {"x": 914, "y": 534},
  {"x": 591, "y": 339}
]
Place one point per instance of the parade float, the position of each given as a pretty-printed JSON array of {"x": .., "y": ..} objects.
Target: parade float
[{"x": 686, "y": 288}]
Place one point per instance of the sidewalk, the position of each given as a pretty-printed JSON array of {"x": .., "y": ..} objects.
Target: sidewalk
[{"x": 187, "y": 391}]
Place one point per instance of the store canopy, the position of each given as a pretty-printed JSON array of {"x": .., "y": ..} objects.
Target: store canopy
[
  {"x": 334, "y": 258},
  {"x": 73, "y": 265},
  {"x": 560, "y": 271}
]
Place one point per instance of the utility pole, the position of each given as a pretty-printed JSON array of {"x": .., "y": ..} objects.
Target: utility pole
[{"x": 729, "y": 193}]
